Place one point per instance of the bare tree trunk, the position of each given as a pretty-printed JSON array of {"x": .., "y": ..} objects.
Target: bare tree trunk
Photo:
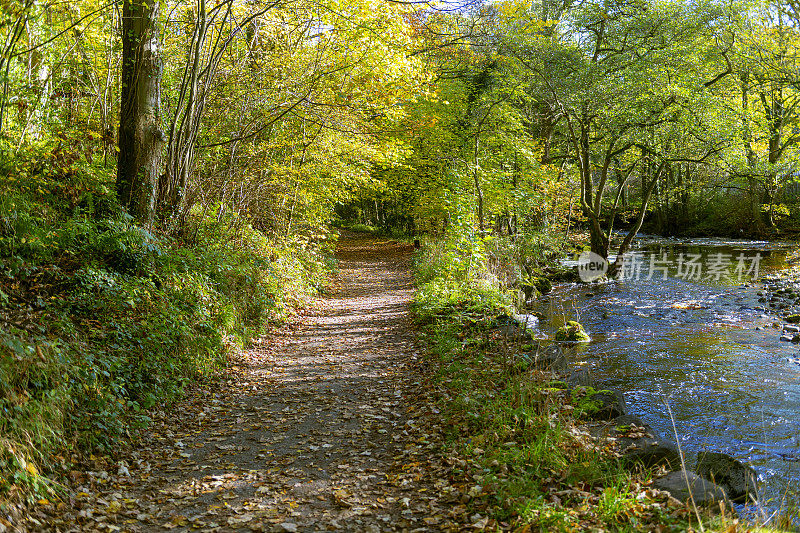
[
  {"x": 752, "y": 182},
  {"x": 140, "y": 138},
  {"x": 17, "y": 28},
  {"x": 776, "y": 127},
  {"x": 478, "y": 188},
  {"x": 207, "y": 45}
]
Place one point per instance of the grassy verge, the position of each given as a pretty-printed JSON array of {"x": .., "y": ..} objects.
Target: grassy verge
[
  {"x": 378, "y": 231},
  {"x": 361, "y": 228},
  {"x": 521, "y": 431},
  {"x": 103, "y": 320}
]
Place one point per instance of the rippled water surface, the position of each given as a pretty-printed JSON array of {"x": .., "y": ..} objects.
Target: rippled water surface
[{"x": 694, "y": 345}]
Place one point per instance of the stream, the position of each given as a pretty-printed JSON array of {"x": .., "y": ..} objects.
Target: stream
[{"x": 705, "y": 346}]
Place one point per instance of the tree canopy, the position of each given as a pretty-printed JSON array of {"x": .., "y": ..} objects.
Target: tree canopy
[{"x": 284, "y": 111}]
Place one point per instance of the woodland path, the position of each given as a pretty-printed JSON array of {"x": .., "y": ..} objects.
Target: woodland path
[{"x": 321, "y": 427}]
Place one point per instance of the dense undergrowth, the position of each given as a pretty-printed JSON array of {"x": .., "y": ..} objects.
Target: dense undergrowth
[
  {"x": 103, "y": 319},
  {"x": 522, "y": 428}
]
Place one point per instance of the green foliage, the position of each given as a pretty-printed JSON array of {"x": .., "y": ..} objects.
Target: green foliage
[
  {"x": 103, "y": 320},
  {"x": 585, "y": 401},
  {"x": 454, "y": 272},
  {"x": 361, "y": 228},
  {"x": 522, "y": 258},
  {"x": 718, "y": 216},
  {"x": 616, "y": 502}
]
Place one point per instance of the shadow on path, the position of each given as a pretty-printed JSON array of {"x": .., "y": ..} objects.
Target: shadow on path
[{"x": 315, "y": 432}]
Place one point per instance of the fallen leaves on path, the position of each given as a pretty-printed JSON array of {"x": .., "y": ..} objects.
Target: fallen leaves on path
[{"x": 323, "y": 425}]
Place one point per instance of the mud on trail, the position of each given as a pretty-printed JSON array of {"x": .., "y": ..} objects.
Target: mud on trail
[{"x": 321, "y": 427}]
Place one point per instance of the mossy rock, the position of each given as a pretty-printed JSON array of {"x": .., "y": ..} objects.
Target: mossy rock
[
  {"x": 793, "y": 319},
  {"x": 572, "y": 332},
  {"x": 598, "y": 404},
  {"x": 738, "y": 480},
  {"x": 562, "y": 274},
  {"x": 584, "y": 404},
  {"x": 542, "y": 284},
  {"x": 530, "y": 291}
]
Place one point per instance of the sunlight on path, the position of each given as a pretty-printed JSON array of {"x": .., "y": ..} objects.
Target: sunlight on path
[{"x": 316, "y": 432}]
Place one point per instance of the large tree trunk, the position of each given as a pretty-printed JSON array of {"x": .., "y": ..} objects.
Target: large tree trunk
[
  {"x": 597, "y": 237},
  {"x": 140, "y": 137},
  {"x": 598, "y": 240}
]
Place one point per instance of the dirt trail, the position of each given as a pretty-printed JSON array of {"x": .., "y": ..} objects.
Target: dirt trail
[{"x": 320, "y": 429}]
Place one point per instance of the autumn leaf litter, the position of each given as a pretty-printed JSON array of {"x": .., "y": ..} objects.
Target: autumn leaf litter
[{"x": 325, "y": 424}]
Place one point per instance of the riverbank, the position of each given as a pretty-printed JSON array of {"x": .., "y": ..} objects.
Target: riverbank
[
  {"x": 543, "y": 450},
  {"x": 697, "y": 357},
  {"x": 531, "y": 442},
  {"x": 780, "y": 294}
]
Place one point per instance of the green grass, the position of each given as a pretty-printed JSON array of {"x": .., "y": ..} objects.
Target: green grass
[
  {"x": 382, "y": 231},
  {"x": 364, "y": 228}
]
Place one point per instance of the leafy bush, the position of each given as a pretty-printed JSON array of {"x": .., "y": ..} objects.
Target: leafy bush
[
  {"x": 521, "y": 258},
  {"x": 476, "y": 271},
  {"x": 454, "y": 273}
]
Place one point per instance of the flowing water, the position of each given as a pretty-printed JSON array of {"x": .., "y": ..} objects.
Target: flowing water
[{"x": 706, "y": 347}]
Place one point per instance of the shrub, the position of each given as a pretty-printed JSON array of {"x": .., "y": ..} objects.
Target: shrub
[{"x": 454, "y": 273}]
